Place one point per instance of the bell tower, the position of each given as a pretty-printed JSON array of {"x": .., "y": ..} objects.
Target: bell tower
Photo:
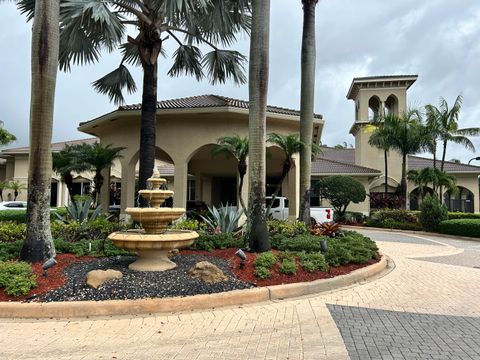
[{"x": 377, "y": 96}]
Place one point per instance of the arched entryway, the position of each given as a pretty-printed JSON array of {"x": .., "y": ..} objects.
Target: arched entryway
[
  {"x": 416, "y": 197},
  {"x": 463, "y": 201}
]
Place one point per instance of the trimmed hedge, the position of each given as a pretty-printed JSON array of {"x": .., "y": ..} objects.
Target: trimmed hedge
[
  {"x": 461, "y": 227},
  {"x": 20, "y": 216},
  {"x": 462, "y": 215}
]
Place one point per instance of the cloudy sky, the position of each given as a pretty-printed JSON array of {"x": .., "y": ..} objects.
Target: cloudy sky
[{"x": 437, "y": 39}]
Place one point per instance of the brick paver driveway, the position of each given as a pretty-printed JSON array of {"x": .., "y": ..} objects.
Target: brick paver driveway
[{"x": 426, "y": 308}]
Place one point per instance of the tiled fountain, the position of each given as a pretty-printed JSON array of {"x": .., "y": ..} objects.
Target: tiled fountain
[{"x": 153, "y": 243}]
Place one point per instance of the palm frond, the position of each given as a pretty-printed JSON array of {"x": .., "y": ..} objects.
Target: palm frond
[
  {"x": 224, "y": 64},
  {"x": 114, "y": 82},
  {"x": 187, "y": 59}
]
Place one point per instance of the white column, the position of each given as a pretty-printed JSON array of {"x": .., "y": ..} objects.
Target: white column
[
  {"x": 128, "y": 186},
  {"x": 180, "y": 184},
  {"x": 105, "y": 190}
]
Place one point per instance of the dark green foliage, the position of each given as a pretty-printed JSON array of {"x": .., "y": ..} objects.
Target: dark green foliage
[
  {"x": 395, "y": 219},
  {"x": 17, "y": 278},
  {"x": 20, "y": 216},
  {"x": 262, "y": 272},
  {"x": 277, "y": 239},
  {"x": 265, "y": 260},
  {"x": 340, "y": 191},
  {"x": 10, "y": 251},
  {"x": 94, "y": 230},
  {"x": 432, "y": 213},
  {"x": 288, "y": 266},
  {"x": 461, "y": 227},
  {"x": 11, "y": 231},
  {"x": 313, "y": 261},
  {"x": 285, "y": 227},
  {"x": 462, "y": 215},
  {"x": 354, "y": 217},
  {"x": 307, "y": 243},
  {"x": 190, "y": 224},
  {"x": 352, "y": 248},
  {"x": 81, "y": 248},
  {"x": 210, "y": 242}
]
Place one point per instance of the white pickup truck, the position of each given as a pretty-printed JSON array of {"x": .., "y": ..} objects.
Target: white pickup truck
[{"x": 279, "y": 211}]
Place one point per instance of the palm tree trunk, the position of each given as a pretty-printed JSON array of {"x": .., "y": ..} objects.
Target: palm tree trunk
[
  {"x": 257, "y": 232},
  {"x": 98, "y": 181},
  {"x": 444, "y": 154},
  {"x": 68, "y": 179},
  {"x": 148, "y": 127},
  {"x": 307, "y": 98},
  {"x": 385, "y": 159},
  {"x": 38, "y": 244},
  {"x": 242, "y": 170},
  {"x": 404, "y": 180}
]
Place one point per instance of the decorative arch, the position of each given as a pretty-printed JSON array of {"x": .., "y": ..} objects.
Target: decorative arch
[
  {"x": 416, "y": 197},
  {"x": 374, "y": 107},
  {"x": 463, "y": 201},
  {"x": 391, "y": 105},
  {"x": 378, "y": 184}
]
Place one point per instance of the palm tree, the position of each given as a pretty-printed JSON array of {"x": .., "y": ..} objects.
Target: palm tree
[
  {"x": 17, "y": 188},
  {"x": 5, "y": 137},
  {"x": 433, "y": 176},
  {"x": 382, "y": 138},
  {"x": 407, "y": 139},
  {"x": 66, "y": 161},
  {"x": 237, "y": 147},
  {"x": 3, "y": 186},
  {"x": 38, "y": 243},
  {"x": 307, "y": 99},
  {"x": 257, "y": 233},
  {"x": 90, "y": 26},
  {"x": 96, "y": 157}
]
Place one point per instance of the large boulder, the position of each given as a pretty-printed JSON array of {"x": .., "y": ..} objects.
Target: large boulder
[
  {"x": 207, "y": 272},
  {"x": 97, "y": 278}
]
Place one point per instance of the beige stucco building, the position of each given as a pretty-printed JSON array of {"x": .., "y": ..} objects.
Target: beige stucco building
[{"x": 188, "y": 129}]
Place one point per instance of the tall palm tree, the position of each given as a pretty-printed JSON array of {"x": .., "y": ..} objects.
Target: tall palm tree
[
  {"x": 422, "y": 178},
  {"x": 38, "y": 243},
  {"x": 237, "y": 147},
  {"x": 17, "y": 188},
  {"x": 382, "y": 138},
  {"x": 97, "y": 157},
  {"x": 407, "y": 139},
  {"x": 257, "y": 233},
  {"x": 89, "y": 26},
  {"x": 65, "y": 162},
  {"x": 5, "y": 137},
  {"x": 307, "y": 99},
  {"x": 3, "y": 186}
]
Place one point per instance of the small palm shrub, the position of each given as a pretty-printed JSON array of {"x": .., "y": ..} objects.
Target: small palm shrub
[
  {"x": 266, "y": 260},
  {"x": 17, "y": 278},
  {"x": 432, "y": 213},
  {"x": 223, "y": 220}
]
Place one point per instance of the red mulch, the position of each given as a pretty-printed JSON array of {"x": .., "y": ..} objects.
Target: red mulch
[
  {"x": 56, "y": 278},
  {"x": 277, "y": 278}
]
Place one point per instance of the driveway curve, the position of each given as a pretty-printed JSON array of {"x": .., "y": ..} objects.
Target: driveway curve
[{"x": 426, "y": 308}]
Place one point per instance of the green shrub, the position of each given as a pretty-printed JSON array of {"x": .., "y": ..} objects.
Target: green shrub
[
  {"x": 432, "y": 213},
  {"x": 352, "y": 248},
  {"x": 262, "y": 272},
  {"x": 287, "y": 255},
  {"x": 10, "y": 251},
  {"x": 337, "y": 254},
  {"x": 397, "y": 215},
  {"x": 354, "y": 217},
  {"x": 461, "y": 227},
  {"x": 190, "y": 224},
  {"x": 210, "y": 242},
  {"x": 462, "y": 215},
  {"x": 288, "y": 266},
  {"x": 307, "y": 243},
  {"x": 11, "y": 231},
  {"x": 287, "y": 228},
  {"x": 73, "y": 231},
  {"x": 313, "y": 262},
  {"x": 17, "y": 278},
  {"x": 266, "y": 260},
  {"x": 81, "y": 248},
  {"x": 18, "y": 216}
]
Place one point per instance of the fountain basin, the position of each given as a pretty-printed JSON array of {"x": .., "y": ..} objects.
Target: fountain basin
[
  {"x": 152, "y": 249},
  {"x": 155, "y": 220},
  {"x": 156, "y": 197}
]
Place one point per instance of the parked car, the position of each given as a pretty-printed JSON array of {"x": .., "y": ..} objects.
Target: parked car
[
  {"x": 13, "y": 205},
  {"x": 279, "y": 211}
]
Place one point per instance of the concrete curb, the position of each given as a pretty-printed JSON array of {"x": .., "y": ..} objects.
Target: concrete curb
[{"x": 72, "y": 309}]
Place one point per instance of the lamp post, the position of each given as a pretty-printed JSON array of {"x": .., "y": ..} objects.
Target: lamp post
[{"x": 475, "y": 158}]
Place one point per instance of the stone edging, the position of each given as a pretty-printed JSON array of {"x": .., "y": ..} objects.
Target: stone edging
[{"x": 72, "y": 309}]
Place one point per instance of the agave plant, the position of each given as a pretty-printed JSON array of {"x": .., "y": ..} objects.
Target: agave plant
[
  {"x": 223, "y": 220},
  {"x": 79, "y": 211}
]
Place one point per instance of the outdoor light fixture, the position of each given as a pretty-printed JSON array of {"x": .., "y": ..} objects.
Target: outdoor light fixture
[
  {"x": 242, "y": 257},
  {"x": 47, "y": 265},
  {"x": 475, "y": 158}
]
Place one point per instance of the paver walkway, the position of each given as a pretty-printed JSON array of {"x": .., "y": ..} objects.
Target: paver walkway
[{"x": 420, "y": 310}]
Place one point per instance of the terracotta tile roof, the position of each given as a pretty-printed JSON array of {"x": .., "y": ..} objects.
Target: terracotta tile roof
[
  {"x": 55, "y": 146},
  {"x": 417, "y": 162},
  {"x": 322, "y": 166},
  {"x": 343, "y": 155},
  {"x": 212, "y": 101}
]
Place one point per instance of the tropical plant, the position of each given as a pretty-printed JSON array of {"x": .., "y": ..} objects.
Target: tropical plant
[
  {"x": 97, "y": 157},
  {"x": 237, "y": 147},
  {"x": 307, "y": 100},
  {"x": 3, "y": 186},
  {"x": 257, "y": 232},
  {"x": 64, "y": 162},
  {"x": 38, "y": 244},
  {"x": 407, "y": 138},
  {"x": 340, "y": 191},
  {"x": 17, "y": 188},
  {"x": 223, "y": 220},
  {"x": 326, "y": 229},
  {"x": 439, "y": 179},
  {"x": 432, "y": 213},
  {"x": 5, "y": 137},
  {"x": 79, "y": 211},
  {"x": 90, "y": 26}
]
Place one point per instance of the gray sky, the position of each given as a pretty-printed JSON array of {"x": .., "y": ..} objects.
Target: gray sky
[{"x": 437, "y": 39}]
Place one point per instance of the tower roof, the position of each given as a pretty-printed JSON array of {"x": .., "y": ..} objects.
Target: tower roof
[{"x": 384, "y": 81}]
